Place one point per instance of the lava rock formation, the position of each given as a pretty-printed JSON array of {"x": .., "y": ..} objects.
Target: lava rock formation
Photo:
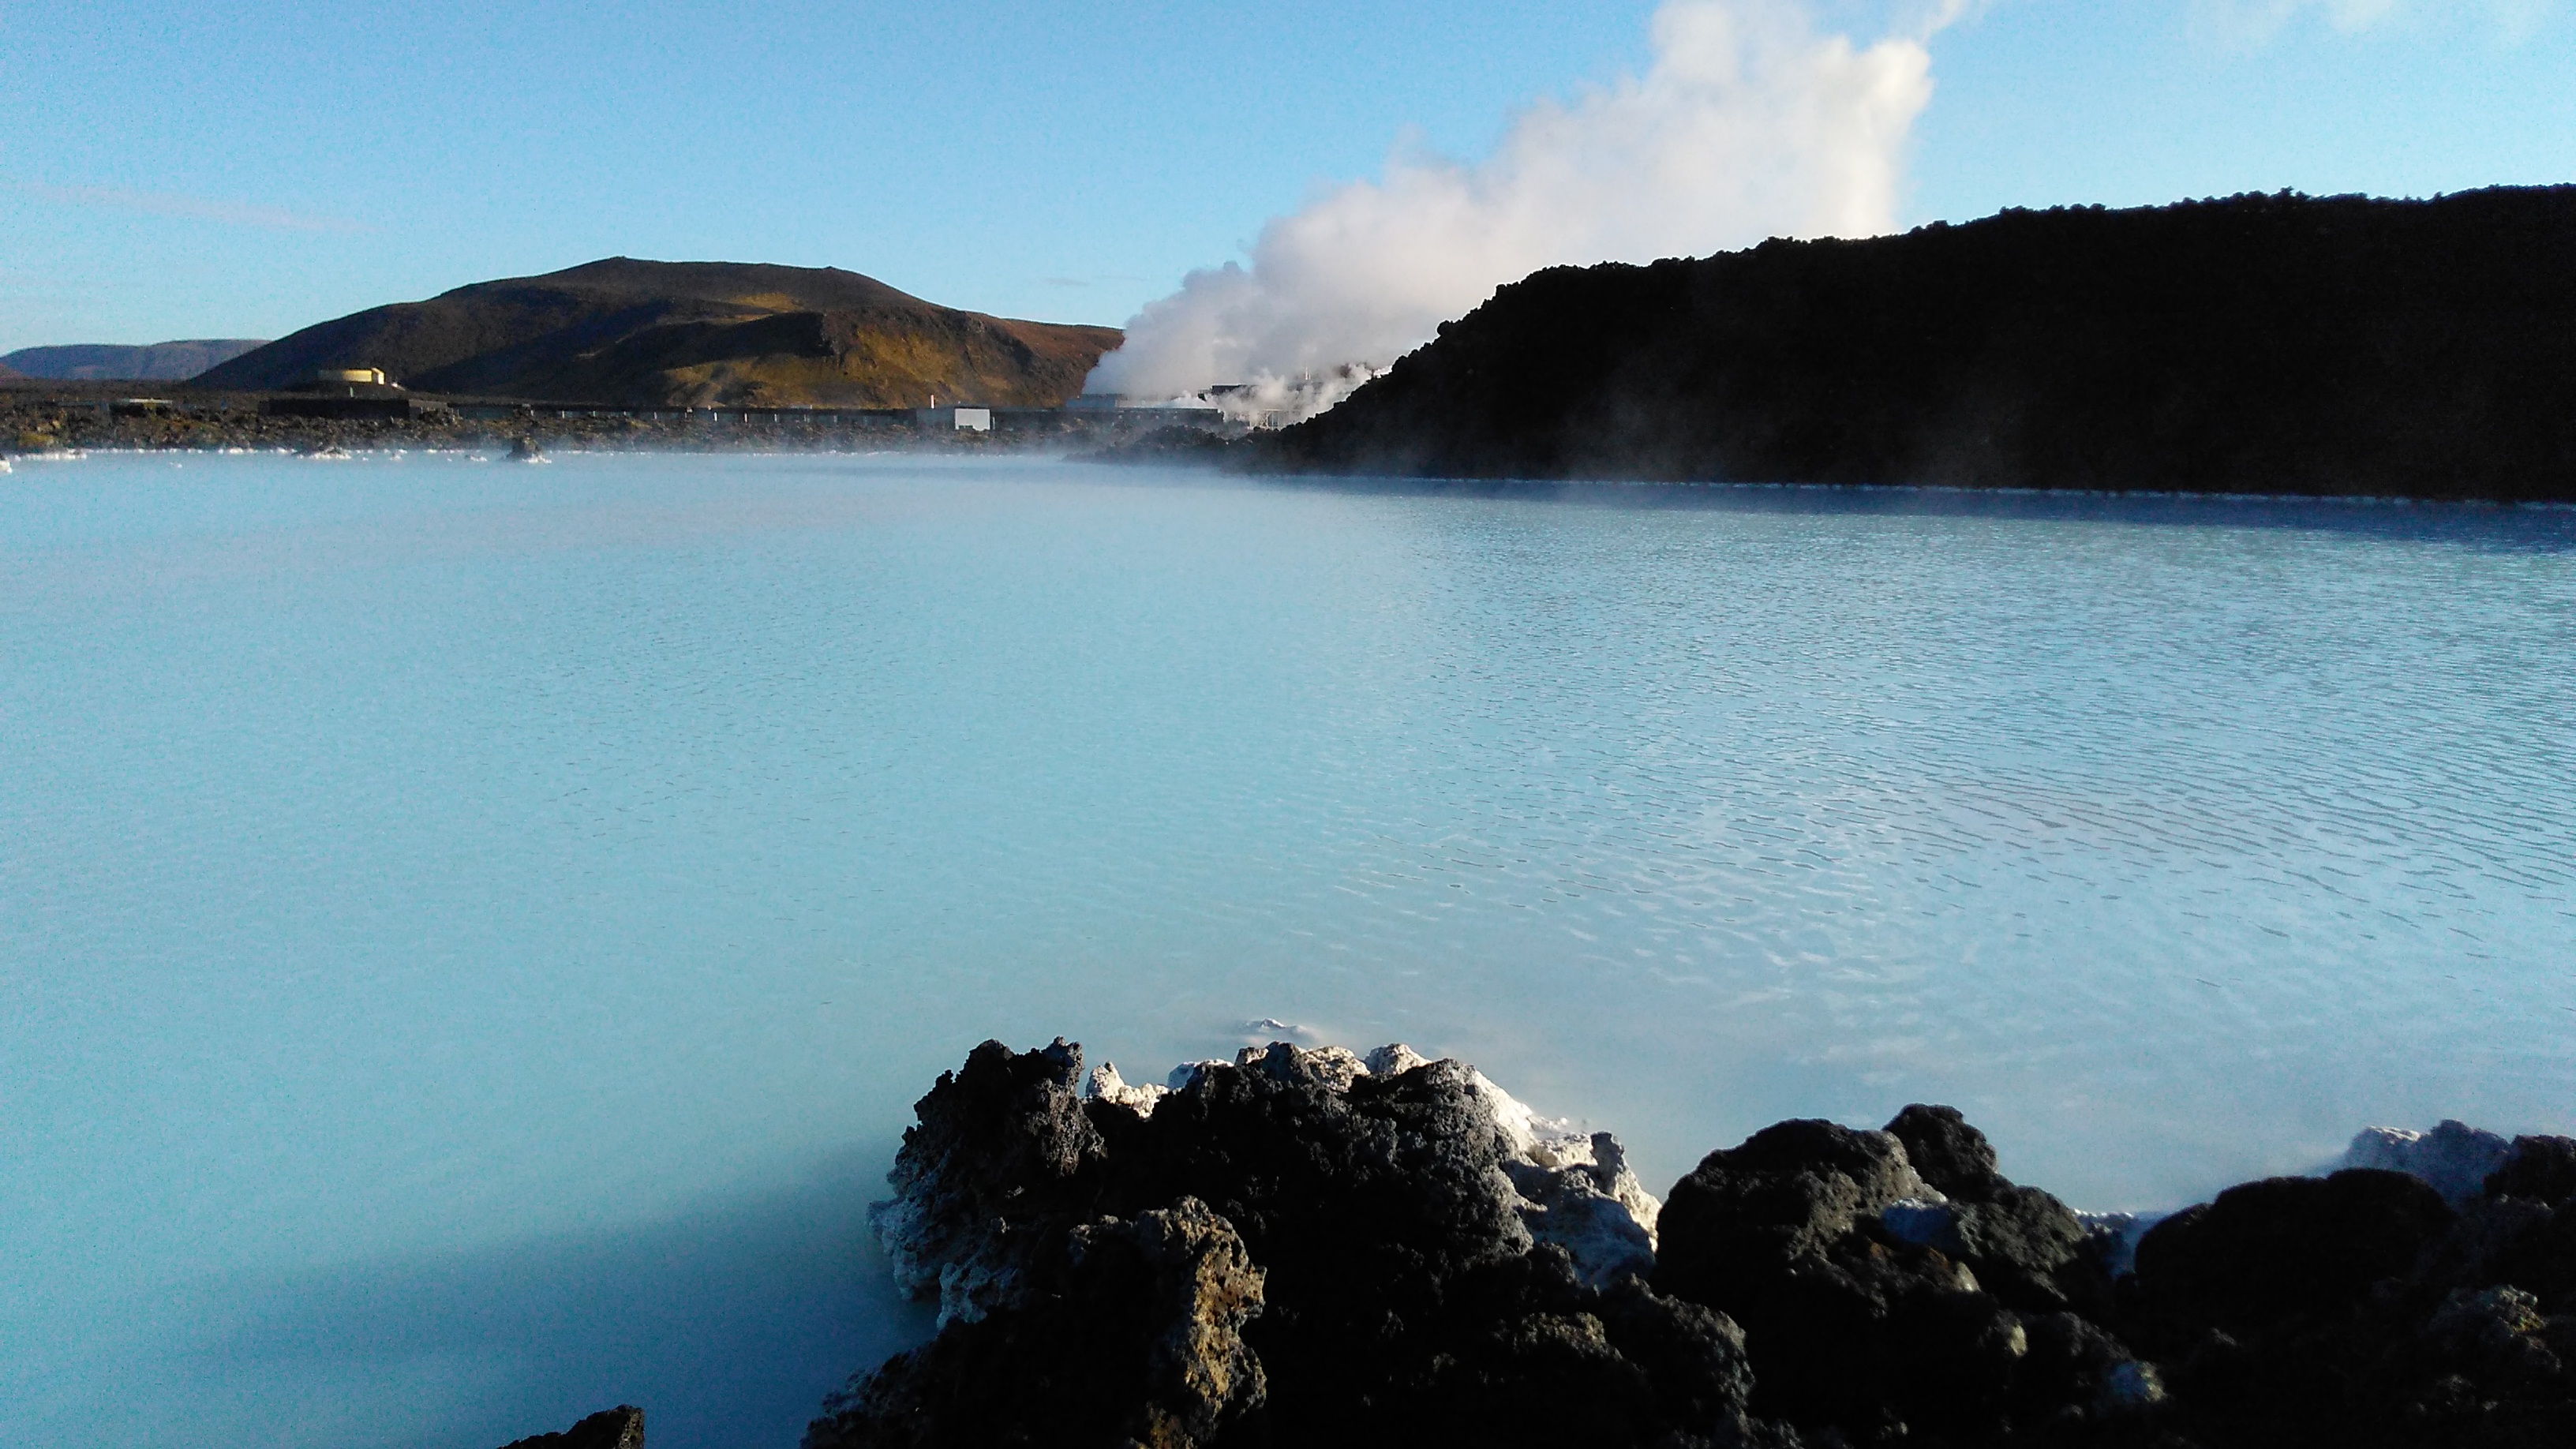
[
  {"x": 2255, "y": 344},
  {"x": 1303, "y": 1244}
]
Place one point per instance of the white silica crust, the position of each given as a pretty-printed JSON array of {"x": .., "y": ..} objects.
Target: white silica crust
[
  {"x": 920, "y": 1251},
  {"x": 1395, "y": 1059},
  {"x": 1188, "y": 1072},
  {"x": 1108, "y": 1086},
  {"x": 1338, "y": 1067},
  {"x": 1576, "y": 1188}
]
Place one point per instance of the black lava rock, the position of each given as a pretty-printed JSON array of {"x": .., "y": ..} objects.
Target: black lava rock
[
  {"x": 618, "y": 1428},
  {"x": 2025, "y": 1247},
  {"x": 2542, "y": 1169},
  {"x": 1003, "y": 1161},
  {"x": 1857, "y": 1280},
  {"x": 1296, "y": 1248},
  {"x": 1126, "y": 1330},
  {"x": 2274, "y": 344},
  {"x": 2361, "y": 1310},
  {"x": 1284, "y": 1250},
  {"x": 2287, "y": 1247}
]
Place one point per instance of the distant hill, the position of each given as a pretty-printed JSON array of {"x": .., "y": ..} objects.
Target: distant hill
[
  {"x": 2258, "y": 344},
  {"x": 155, "y": 362},
  {"x": 691, "y": 333}
]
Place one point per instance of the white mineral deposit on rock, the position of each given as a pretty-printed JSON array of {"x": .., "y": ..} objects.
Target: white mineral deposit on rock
[
  {"x": 1106, "y": 1085},
  {"x": 1575, "y": 1188},
  {"x": 1395, "y": 1059}
]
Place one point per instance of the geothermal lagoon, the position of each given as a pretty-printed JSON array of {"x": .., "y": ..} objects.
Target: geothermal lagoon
[{"x": 473, "y": 934}]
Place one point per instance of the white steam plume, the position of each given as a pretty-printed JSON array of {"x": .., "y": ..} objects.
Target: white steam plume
[{"x": 1748, "y": 124}]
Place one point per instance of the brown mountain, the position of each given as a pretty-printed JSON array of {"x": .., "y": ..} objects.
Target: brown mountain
[{"x": 640, "y": 333}]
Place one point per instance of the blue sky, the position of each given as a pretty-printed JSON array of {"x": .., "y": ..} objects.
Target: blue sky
[{"x": 171, "y": 170}]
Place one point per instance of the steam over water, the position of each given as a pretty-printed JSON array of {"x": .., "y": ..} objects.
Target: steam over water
[{"x": 472, "y": 935}]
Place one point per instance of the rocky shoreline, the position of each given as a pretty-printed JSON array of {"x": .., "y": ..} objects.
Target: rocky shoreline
[
  {"x": 1305, "y": 1243},
  {"x": 59, "y": 419}
]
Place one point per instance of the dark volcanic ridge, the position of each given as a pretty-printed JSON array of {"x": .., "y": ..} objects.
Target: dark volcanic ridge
[
  {"x": 632, "y": 333},
  {"x": 1306, "y": 1246},
  {"x": 107, "y": 362},
  {"x": 2257, "y": 344}
]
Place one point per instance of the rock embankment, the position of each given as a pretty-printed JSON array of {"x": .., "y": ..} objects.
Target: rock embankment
[
  {"x": 41, "y": 421},
  {"x": 1303, "y": 1245}
]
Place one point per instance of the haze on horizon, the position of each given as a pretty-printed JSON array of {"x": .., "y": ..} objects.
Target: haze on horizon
[{"x": 181, "y": 170}]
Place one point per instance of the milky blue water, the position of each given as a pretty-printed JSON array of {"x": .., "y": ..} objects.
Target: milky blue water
[{"x": 470, "y": 935}]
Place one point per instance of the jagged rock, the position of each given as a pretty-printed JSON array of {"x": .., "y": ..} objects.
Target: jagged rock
[
  {"x": 1395, "y": 1059},
  {"x": 2129, "y": 1386},
  {"x": 1360, "y": 1204},
  {"x": 1848, "y": 1327},
  {"x": 2026, "y": 1247},
  {"x": 1001, "y": 1158},
  {"x": 2454, "y": 1158},
  {"x": 2490, "y": 1243},
  {"x": 2287, "y": 1247},
  {"x": 1199, "y": 1373},
  {"x": 2112, "y": 1238},
  {"x": 1128, "y": 1331},
  {"x": 2499, "y": 1330},
  {"x": 2354, "y": 1310},
  {"x": 2075, "y": 1368},
  {"x": 1188, "y": 1072},
  {"x": 1336, "y": 1067},
  {"x": 1307, "y": 1245},
  {"x": 1372, "y": 1207},
  {"x": 2542, "y": 1169},
  {"x": 1106, "y": 1085},
  {"x": 1954, "y": 1158},
  {"x": 1595, "y": 1209},
  {"x": 2528, "y": 1246},
  {"x": 1576, "y": 1188},
  {"x": 1539, "y": 1357},
  {"x": 1789, "y": 1191},
  {"x": 618, "y": 1428}
]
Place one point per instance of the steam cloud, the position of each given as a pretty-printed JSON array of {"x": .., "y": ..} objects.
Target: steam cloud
[{"x": 1748, "y": 124}]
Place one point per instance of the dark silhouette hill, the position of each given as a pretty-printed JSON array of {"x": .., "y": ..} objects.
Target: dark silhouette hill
[
  {"x": 2276, "y": 344},
  {"x": 104, "y": 361},
  {"x": 691, "y": 333}
]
